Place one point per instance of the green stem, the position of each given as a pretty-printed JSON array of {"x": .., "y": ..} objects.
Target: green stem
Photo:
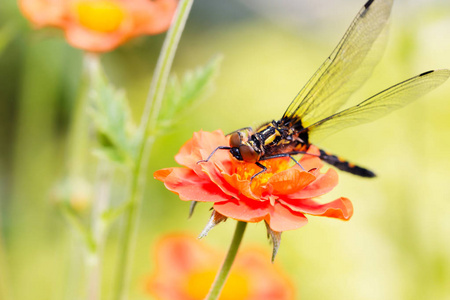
[
  {"x": 147, "y": 129},
  {"x": 77, "y": 144},
  {"x": 7, "y": 33},
  {"x": 222, "y": 276},
  {"x": 77, "y": 225},
  {"x": 78, "y": 139},
  {"x": 94, "y": 258},
  {"x": 4, "y": 270}
]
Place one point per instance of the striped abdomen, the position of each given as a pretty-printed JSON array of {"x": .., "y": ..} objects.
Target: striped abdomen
[{"x": 344, "y": 165}]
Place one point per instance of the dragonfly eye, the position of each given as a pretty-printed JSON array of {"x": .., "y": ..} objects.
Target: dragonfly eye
[
  {"x": 248, "y": 153},
  {"x": 235, "y": 140}
]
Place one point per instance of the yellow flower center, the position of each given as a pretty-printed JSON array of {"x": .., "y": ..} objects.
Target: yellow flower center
[
  {"x": 102, "y": 16},
  {"x": 198, "y": 284},
  {"x": 247, "y": 170}
]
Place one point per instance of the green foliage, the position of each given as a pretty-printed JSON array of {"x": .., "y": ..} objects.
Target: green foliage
[
  {"x": 182, "y": 96},
  {"x": 112, "y": 118},
  {"x": 7, "y": 33},
  {"x": 116, "y": 133}
]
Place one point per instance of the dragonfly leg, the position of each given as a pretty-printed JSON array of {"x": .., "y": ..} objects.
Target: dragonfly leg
[
  {"x": 212, "y": 153},
  {"x": 262, "y": 171},
  {"x": 290, "y": 156}
]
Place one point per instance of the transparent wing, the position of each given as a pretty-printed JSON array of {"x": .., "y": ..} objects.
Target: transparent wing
[
  {"x": 379, "y": 105},
  {"x": 346, "y": 69}
]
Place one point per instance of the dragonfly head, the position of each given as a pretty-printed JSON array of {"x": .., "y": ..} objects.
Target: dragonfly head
[{"x": 245, "y": 151}]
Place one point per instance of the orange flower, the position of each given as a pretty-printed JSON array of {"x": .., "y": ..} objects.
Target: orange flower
[
  {"x": 185, "y": 270},
  {"x": 281, "y": 196},
  {"x": 101, "y": 25}
]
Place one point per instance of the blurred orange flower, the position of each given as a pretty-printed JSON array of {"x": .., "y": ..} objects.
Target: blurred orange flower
[
  {"x": 101, "y": 25},
  {"x": 281, "y": 196},
  {"x": 185, "y": 269}
]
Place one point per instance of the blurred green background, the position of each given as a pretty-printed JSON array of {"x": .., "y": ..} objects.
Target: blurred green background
[{"x": 397, "y": 245}]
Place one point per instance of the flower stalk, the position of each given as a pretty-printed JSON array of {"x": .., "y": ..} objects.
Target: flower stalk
[
  {"x": 147, "y": 137},
  {"x": 221, "y": 277},
  {"x": 98, "y": 230},
  {"x": 77, "y": 143},
  {"x": 4, "y": 271},
  {"x": 78, "y": 138}
]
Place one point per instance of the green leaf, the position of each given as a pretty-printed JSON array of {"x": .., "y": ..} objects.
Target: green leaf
[
  {"x": 112, "y": 118},
  {"x": 182, "y": 96}
]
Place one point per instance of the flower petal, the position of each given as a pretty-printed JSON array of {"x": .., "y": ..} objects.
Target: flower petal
[
  {"x": 242, "y": 186},
  {"x": 189, "y": 186},
  {"x": 279, "y": 217},
  {"x": 89, "y": 40},
  {"x": 200, "y": 146},
  {"x": 182, "y": 253},
  {"x": 185, "y": 268},
  {"x": 322, "y": 185},
  {"x": 217, "y": 173},
  {"x": 177, "y": 256},
  {"x": 309, "y": 162},
  {"x": 290, "y": 181},
  {"x": 100, "y": 26},
  {"x": 246, "y": 210},
  {"x": 44, "y": 12},
  {"x": 340, "y": 208},
  {"x": 282, "y": 218},
  {"x": 268, "y": 283},
  {"x": 152, "y": 17}
]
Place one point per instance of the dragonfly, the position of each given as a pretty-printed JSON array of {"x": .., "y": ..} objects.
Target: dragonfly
[{"x": 316, "y": 111}]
